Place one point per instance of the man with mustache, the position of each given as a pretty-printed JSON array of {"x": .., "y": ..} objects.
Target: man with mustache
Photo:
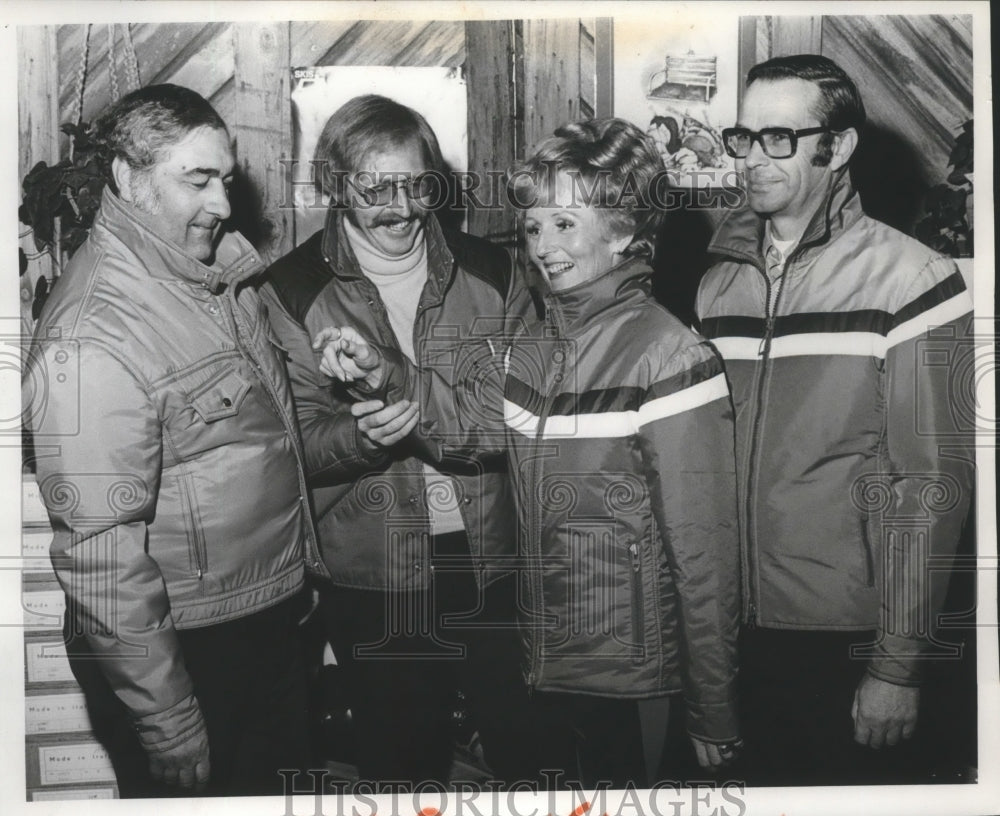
[
  {"x": 168, "y": 457},
  {"x": 841, "y": 337},
  {"x": 421, "y": 601}
]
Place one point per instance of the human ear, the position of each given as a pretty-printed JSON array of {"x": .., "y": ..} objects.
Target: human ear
[
  {"x": 121, "y": 172},
  {"x": 844, "y": 144}
]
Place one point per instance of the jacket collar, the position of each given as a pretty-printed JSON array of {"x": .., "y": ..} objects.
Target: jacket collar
[
  {"x": 573, "y": 308},
  {"x": 337, "y": 252},
  {"x": 741, "y": 232},
  {"x": 235, "y": 258}
]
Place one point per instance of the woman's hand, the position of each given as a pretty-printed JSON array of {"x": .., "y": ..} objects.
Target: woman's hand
[{"x": 348, "y": 356}]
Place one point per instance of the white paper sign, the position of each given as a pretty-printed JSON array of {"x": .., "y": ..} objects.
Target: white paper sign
[
  {"x": 35, "y": 552},
  {"x": 65, "y": 794},
  {"x": 32, "y": 508},
  {"x": 47, "y": 663},
  {"x": 44, "y": 610},
  {"x": 56, "y": 713},
  {"x": 74, "y": 763}
]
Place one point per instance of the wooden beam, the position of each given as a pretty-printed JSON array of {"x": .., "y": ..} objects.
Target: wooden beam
[
  {"x": 747, "y": 56},
  {"x": 551, "y": 77},
  {"x": 261, "y": 126},
  {"x": 492, "y": 128},
  {"x": 797, "y": 35},
  {"x": 604, "y": 67}
]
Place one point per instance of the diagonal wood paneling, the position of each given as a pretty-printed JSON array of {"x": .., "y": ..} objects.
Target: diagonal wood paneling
[
  {"x": 197, "y": 55},
  {"x": 377, "y": 42},
  {"x": 916, "y": 76},
  {"x": 201, "y": 56}
]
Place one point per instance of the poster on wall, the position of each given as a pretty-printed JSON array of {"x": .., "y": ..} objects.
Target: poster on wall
[
  {"x": 437, "y": 93},
  {"x": 676, "y": 77}
]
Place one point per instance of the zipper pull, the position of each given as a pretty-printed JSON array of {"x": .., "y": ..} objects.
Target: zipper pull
[
  {"x": 633, "y": 548},
  {"x": 752, "y": 617}
]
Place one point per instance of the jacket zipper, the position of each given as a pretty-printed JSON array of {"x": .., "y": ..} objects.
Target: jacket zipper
[
  {"x": 772, "y": 298},
  {"x": 534, "y": 527},
  {"x": 250, "y": 355},
  {"x": 638, "y": 631},
  {"x": 198, "y": 547}
]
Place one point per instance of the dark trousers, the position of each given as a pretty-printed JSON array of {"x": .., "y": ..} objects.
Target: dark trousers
[
  {"x": 249, "y": 681},
  {"x": 404, "y": 656},
  {"x": 796, "y": 693},
  {"x": 591, "y": 741}
]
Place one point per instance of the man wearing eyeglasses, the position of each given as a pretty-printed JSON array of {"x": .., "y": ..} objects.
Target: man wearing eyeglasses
[
  {"x": 840, "y": 335},
  {"x": 421, "y": 601}
]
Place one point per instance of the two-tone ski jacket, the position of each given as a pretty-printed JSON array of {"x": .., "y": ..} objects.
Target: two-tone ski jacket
[
  {"x": 618, "y": 424},
  {"x": 849, "y": 374},
  {"x": 371, "y": 508}
]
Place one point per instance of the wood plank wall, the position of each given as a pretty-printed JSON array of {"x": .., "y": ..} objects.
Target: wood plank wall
[
  {"x": 524, "y": 79},
  {"x": 496, "y": 127},
  {"x": 915, "y": 77}
]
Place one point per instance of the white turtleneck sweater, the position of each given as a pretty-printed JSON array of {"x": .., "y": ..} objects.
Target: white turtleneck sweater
[{"x": 400, "y": 281}]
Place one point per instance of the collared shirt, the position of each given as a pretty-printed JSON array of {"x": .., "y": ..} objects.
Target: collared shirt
[{"x": 776, "y": 252}]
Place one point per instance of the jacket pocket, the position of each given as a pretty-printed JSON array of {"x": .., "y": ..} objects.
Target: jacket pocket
[
  {"x": 220, "y": 397},
  {"x": 197, "y": 549},
  {"x": 638, "y": 645}
]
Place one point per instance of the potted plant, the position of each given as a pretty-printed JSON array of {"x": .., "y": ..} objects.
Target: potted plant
[
  {"x": 60, "y": 203},
  {"x": 947, "y": 227}
]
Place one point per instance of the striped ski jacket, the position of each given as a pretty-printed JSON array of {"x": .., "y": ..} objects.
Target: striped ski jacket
[
  {"x": 853, "y": 455},
  {"x": 619, "y": 427}
]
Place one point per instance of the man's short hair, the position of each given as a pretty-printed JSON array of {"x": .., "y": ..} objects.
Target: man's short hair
[
  {"x": 145, "y": 122},
  {"x": 372, "y": 122},
  {"x": 839, "y": 106}
]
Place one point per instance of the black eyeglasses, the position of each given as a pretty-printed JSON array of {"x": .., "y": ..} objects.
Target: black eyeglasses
[
  {"x": 776, "y": 142},
  {"x": 422, "y": 187}
]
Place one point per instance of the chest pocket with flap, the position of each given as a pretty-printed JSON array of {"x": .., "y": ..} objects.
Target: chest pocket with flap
[{"x": 221, "y": 397}]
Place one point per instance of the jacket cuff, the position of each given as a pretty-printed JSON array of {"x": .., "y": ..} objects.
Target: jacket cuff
[
  {"x": 897, "y": 660},
  {"x": 888, "y": 672},
  {"x": 167, "y": 729},
  {"x": 712, "y": 722},
  {"x": 366, "y": 452}
]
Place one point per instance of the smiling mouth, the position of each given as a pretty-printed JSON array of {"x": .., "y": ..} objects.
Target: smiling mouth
[
  {"x": 558, "y": 268},
  {"x": 396, "y": 226}
]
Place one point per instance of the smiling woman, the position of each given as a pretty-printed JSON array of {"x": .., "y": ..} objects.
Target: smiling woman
[
  {"x": 618, "y": 426},
  {"x": 586, "y": 194}
]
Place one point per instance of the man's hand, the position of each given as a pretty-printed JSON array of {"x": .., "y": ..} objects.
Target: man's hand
[
  {"x": 185, "y": 765},
  {"x": 715, "y": 756},
  {"x": 384, "y": 425},
  {"x": 884, "y": 712},
  {"x": 348, "y": 356}
]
